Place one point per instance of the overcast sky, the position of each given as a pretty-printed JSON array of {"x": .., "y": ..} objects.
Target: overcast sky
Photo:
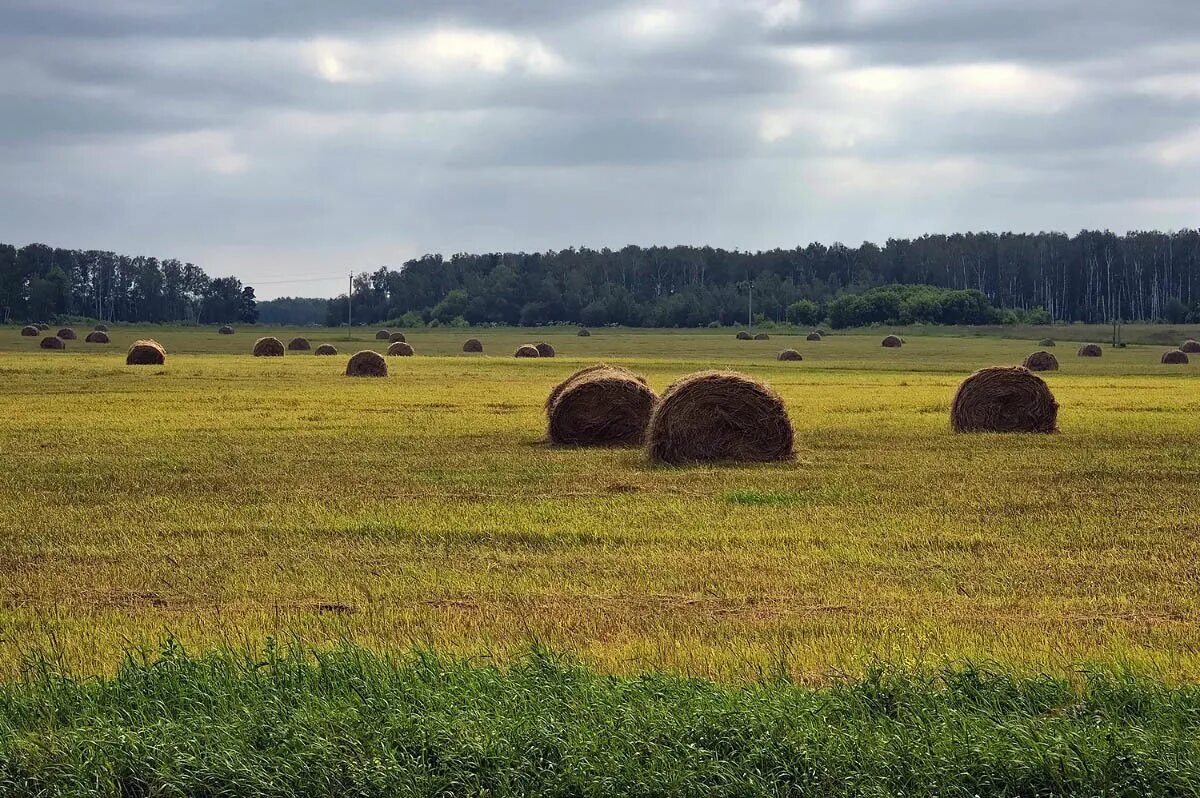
[{"x": 285, "y": 140}]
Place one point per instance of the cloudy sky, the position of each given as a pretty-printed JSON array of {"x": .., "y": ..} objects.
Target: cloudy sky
[{"x": 287, "y": 141}]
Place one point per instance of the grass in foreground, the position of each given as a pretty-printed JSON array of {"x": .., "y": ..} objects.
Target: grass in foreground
[{"x": 351, "y": 722}]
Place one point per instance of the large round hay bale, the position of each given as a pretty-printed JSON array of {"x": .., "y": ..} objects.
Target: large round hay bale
[
  {"x": 367, "y": 363},
  {"x": 1090, "y": 350},
  {"x": 1190, "y": 346},
  {"x": 744, "y": 336},
  {"x": 1004, "y": 399},
  {"x": 790, "y": 354},
  {"x": 719, "y": 416},
  {"x": 53, "y": 342},
  {"x": 101, "y": 328},
  {"x": 544, "y": 349},
  {"x": 813, "y": 336},
  {"x": 96, "y": 337},
  {"x": 526, "y": 350},
  {"x": 225, "y": 330},
  {"x": 268, "y": 347},
  {"x": 473, "y": 345},
  {"x": 600, "y": 407},
  {"x": 1046, "y": 342},
  {"x": 762, "y": 337},
  {"x": 299, "y": 344},
  {"x": 400, "y": 349},
  {"x": 66, "y": 333},
  {"x": 585, "y": 372},
  {"x": 147, "y": 352},
  {"x": 1041, "y": 361},
  {"x": 30, "y": 331},
  {"x": 584, "y": 332},
  {"x": 383, "y": 335},
  {"x": 325, "y": 349},
  {"x": 396, "y": 337},
  {"x": 892, "y": 342},
  {"x": 1175, "y": 356}
]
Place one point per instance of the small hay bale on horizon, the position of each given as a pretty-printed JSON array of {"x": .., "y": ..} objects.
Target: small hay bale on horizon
[
  {"x": 762, "y": 337},
  {"x": 600, "y": 406},
  {"x": 146, "y": 352},
  {"x": 719, "y": 416},
  {"x": 1004, "y": 399},
  {"x": 67, "y": 334},
  {"x": 1041, "y": 361},
  {"x": 30, "y": 331},
  {"x": 101, "y": 328},
  {"x": 1190, "y": 346},
  {"x": 367, "y": 363},
  {"x": 400, "y": 349},
  {"x": 790, "y": 354},
  {"x": 299, "y": 344},
  {"x": 1046, "y": 342},
  {"x": 813, "y": 336},
  {"x": 584, "y": 332},
  {"x": 527, "y": 350},
  {"x": 472, "y": 345},
  {"x": 225, "y": 329},
  {"x": 1174, "y": 357},
  {"x": 53, "y": 342},
  {"x": 383, "y": 335},
  {"x": 42, "y": 326},
  {"x": 892, "y": 342},
  {"x": 544, "y": 349},
  {"x": 325, "y": 349},
  {"x": 1090, "y": 350},
  {"x": 96, "y": 337},
  {"x": 396, "y": 338},
  {"x": 268, "y": 346},
  {"x": 744, "y": 336}
]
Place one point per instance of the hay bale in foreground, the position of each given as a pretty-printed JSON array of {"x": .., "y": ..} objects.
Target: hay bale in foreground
[
  {"x": 1190, "y": 346},
  {"x": 400, "y": 349},
  {"x": 600, "y": 406},
  {"x": 544, "y": 349},
  {"x": 1041, "y": 361},
  {"x": 101, "y": 328},
  {"x": 584, "y": 332},
  {"x": 66, "y": 333},
  {"x": 1046, "y": 342},
  {"x": 396, "y": 338},
  {"x": 526, "y": 350},
  {"x": 268, "y": 347},
  {"x": 473, "y": 345},
  {"x": 892, "y": 342},
  {"x": 30, "y": 331},
  {"x": 225, "y": 330},
  {"x": 367, "y": 363},
  {"x": 96, "y": 337},
  {"x": 1004, "y": 399},
  {"x": 790, "y": 354},
  {"x": 1175, "y": 357},
  {"x": 52, "y": 342},
  {"x": 583, "y": 373},
  {"x": 762, "y": 337},
  {"x": 744, "y": 336},
  {"x": 1090, "y": 350},
  {"x": 813, "y": 336},
  {"x": 146, "y": 352},
  {"x": 383, "y": 335},
  {"x": 299, "y": 344},
  {"x": 719, "y": 416},
  {"x": 325, "y": 349}
]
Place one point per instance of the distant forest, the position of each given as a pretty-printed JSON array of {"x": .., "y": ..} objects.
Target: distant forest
[{"x": 970, "y": 278}]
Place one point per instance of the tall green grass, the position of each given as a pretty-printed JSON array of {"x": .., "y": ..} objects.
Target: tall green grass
[{"x": 349, "y": 722}]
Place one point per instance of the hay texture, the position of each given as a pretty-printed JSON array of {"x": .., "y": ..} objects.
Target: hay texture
[
  {"x": 43, "y": 326},
  {"x": 1041, "y": 361},
  {"x": 147, "y": 352},
  {"x": 544, "y": 349},
  {"x": 67, "y": 334},
  {"x": 744, "y": 336},
  {"x": 526, "y": 350},
  {"x": 1174, "y": 357},
  {"x": 718, "y": 416},
  {"x": 53, "y": 342},
  {"x": 367, "y": 363},
  {"x": 400, "y": 349},
  {"x": 600, "y": 406},
  {"x": 325, "y": 349},
  {"x": 762, "y": 337},
  {"x": 1190, "y": 346},
  {"x": 96, "y": 337},
  {"x": 383, "y": 335},
  {"x": 473, "y": 345},
  {"x": 396, "y": 338},
  {"x": 299, "y": 344},
  {"x": 225, "y": 330},
  {"x": 30, "y": 331},
  {"x": 813, "y": 336},
  {"x": 790, "y": 354},
  {"x": 584, "y": 332},
  {"x": 268, "y": 347},
  {"x": 892, "y": 342},
  {"x": 1090, "y": 350},
  {"x": 1004, "y": 399},
  {"x": 1046, "y": 342}
]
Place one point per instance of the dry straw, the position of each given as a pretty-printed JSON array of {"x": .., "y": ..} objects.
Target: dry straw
[
  {"x": 719, "y": 416},
  {"x": 67, "y": 334},
  {"x": 225, "y": 330},
  {"x": 96, "y": 337},
  {"x": 396, "y": 337},
  {"x": 101, "y": 328},
  {"x": 1090, "y": 350},
  {"x": 299, "y": 344},
  {"x": 367, "y": 363},
  {"x": 147, "y": 352},
  {"x": 400, "y": 349},
  {"x": 744, "y": 336},
  {"x": 790, "y": 354},
  {"x": 892, "y": 342},
  {"x": 1190, "y": 346},
  {"x": 1046, "y": 342},
  {"x": 473, "y": 345},
  {"x": 814, "y": 336},
  {"x": 762, "y": 337},
  {"x": 268, "y": 347},
  {"x": 526, "y": 350},
  {"x": 1175, "y": 356},
  {"x": 584, "y": 332},
  {"x": 1041, "y": 361},
  {"x": 325, "y": 349},
  {"x": 383, "y": 335},
  {"x": 53, "y": 342},
  {"x": 544, "y": 349},
  {"x": 1004, "y": 399},
  {"x": 30, "y": 331},
  {"x": 600, "y": 406}
]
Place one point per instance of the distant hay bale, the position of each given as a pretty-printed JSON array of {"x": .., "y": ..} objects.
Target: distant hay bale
[
  {"x": 400, "y": 349},
  {"x": 367, "y": 363},
  {"x": 814, "y": 336},
  {"x": 299, "y": 344},
  {"x": 30, "y": 331},
  {"x": 584, "y": 332},
  {"x": 719, "y": 416},
  {"x": 147, "y": 352},
  {"x": 397, "y": 338},
  {"x": 325, "y": 349},
  {"x": 383, "y": 335},
  {"x": 53, "y": 342},
  {"x": 1046, "y": 342},
  {"x": 892, "y": 341},
  {"x": 820, "y": 332},
  {"x": 66, "y": 333},
  {"x": 790, "y": 354},
  {"x": 762, "y": 337},
  {"x": 527, "y": 350},
  {"x": 268, "y": 347},
  {"x": 473, "y": 345},
  {"x": 744, "y": 336},
  {"x": 585, "y": 372},
  {"x": 1004, "y": 399},
  {"x": 225, "y": 330},
  {"x": 1090, "y": 350},
  {"x": 42, "y": 326},
  {"x": 600, "y": 406},
  {"x": 101, "y": 328},
  {"x": 1175, "y": 356},
  {"x": 1190, "y": 346},
  {"x": 1041, "y": 361},
  {"x": 544, "y": 349},
  {"x": 96, "y": 337}
]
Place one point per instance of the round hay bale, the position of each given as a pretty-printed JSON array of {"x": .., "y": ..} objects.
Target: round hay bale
[
  {"x": 367, "y": 363},
  {"x": 1090, "y": 350},
  {"x": 101, "y": 328},
  {"x": 299, "y": 344},
  {"x": 584, "y": 332},
  {"x": 1190, "y": 346},
  {"x": 147, "y": 352},
  {"x": 790, "y": 354},
  {"x": 96, "y": 337},
  {"x": 325, "y": 349},
  {"x": 584, "y": 373},
  {"x": 473, "y": 345},
  {"x": 814, "y": 336},
  {"x": 892, "y": 342},
  {"x": 719, "y": 416},
  {"x": 600, "y": 407},
  {"x": 43, "y": 326},
  {"x": 53, "y": 342},
  {"x": 527, "y": 350},
  {"x": 544, "y": 349},
  {"x": 1046, "y": 342},
  {"x": 225, "y": 330},
  {"x": 1041, "y": 361},
  {"x": 30, "y": 331},
  {"x": 1004, "y": 399},
  {"x": 762, "y": 337},
  {"x": 1175, "y": 356},
  {"x": 820, "y": 332},
  {"x": 744, "y": 336},
  {"x": 268, "y": 347},
  {"x": 400, "y": 349},
  {"x": 67, "y": 334},
  {"x": 396, "y": 338},
  {"x": 383, "y": 335}
]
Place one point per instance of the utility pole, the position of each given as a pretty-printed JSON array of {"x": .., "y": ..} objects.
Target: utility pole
[
  {"x": 350, "y": 307},
  {"x": 750, "y": 308}
]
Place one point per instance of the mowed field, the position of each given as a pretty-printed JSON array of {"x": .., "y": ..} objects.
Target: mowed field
[{"x": 224, "y": 499}]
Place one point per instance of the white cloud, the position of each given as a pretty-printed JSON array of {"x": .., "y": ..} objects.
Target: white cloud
[{"x": 996, "y": 85}]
